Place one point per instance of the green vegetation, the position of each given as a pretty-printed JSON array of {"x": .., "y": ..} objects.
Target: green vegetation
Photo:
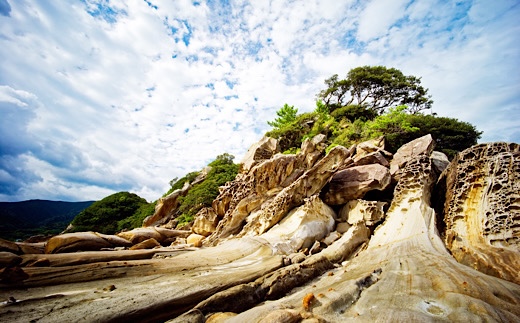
[
  {"x": 387, "y": 104},
  {"x": 21, "y": 220},
  {"x": 177, "y": 184},
  {"x": 202, "y": 194},
  {"x": 104, "y": 216},
  {"x": 376, "y": 88}
]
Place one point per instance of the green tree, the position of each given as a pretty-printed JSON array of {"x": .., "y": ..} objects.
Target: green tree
[
  {"x": 286, "y": 115},
  {"x": 378, "y": 88}
]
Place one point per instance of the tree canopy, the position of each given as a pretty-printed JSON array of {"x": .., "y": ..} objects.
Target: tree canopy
[
  {"x": 103, "y": 216},
  {"x": 377, "y": 88},
  {"x": 286, "y": 115}
]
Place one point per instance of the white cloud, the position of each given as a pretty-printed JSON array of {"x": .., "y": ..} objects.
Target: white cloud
[{"x": 98, "y": 99}]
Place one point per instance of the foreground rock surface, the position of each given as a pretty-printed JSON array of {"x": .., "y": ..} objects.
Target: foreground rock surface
[{"x": 281, "y": 244}]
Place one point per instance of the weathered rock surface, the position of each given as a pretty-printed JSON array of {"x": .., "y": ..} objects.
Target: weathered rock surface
[
  {"x": 354, "y": 182},
  {"x": 167, "y": 206},
  {"x": 482, "y": 209},
  {"x": 369, "y": 212},
  {"x": 301, "y": 227},
  {"x": 420, "y": 146},
  {"x": 264, "y": 149},
  {"x": 275, "y": 251},
  {"x": 205, "y": 222},
  {"x": 83, "y": 241}
]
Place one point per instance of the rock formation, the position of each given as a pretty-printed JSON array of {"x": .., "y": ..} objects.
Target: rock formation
[{"x": 348, "y": 235}]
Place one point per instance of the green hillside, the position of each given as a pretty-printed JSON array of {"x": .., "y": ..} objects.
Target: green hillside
[{"x": 20, "y": 220}]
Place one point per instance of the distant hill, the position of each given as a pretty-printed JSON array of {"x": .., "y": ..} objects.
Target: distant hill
[{"x": 20, "y": 220}]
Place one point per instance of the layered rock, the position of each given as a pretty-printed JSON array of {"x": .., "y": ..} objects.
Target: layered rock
[
  {"x": 354, "y": 182},
  {"x": 280, "y": 253},
  {"x": 482, "y": 209}
]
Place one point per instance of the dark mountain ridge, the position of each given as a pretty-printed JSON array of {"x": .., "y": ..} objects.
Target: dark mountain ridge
[{"x": 20, "y": 220}]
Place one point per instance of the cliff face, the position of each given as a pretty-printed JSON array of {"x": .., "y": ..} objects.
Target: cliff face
[{"x": 351, "y": 235}]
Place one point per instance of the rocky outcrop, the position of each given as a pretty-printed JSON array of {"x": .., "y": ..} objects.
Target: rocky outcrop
[
  {"x": 273, "y": 248},
  {"x": 354, "y": 182},
  {"x": 83, "y": 241},
  {"x": 482, "y": 209},
  {"x": 166, "y": 207},
  {"x": 266, "y": 148}
]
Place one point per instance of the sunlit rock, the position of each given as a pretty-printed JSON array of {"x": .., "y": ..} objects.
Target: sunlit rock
[
  {"x": 301, "y": 227},
  {"x": 83, "y": 241},
  {"x": 205, "y": 222},
  {"x": 482, "y": 209},
  {"x": 420, "y": 146},
  {"x": 369, "y": 212},
  {"x": 354, "y": 182},
  {"x": 264, "y": 149}
]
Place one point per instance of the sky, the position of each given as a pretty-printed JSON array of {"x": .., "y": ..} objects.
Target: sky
[{"x": 101, "y": 96}]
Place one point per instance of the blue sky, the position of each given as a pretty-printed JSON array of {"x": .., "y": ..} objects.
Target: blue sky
[{"x": 100, "y": 96}]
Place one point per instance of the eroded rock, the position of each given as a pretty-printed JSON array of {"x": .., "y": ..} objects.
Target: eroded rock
[
  {"x": 264, "y": 149},
  {"x": 482, "y": 209},
  {"x": 206, "y": 222},
  {"x": 301, "y": 227},
  {"x": 420, "y": 146},
  {"x": 369, "y": 212},
  {"x": 354, "y": 182}
]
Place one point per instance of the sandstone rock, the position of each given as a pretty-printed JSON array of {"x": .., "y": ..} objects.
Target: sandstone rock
[
  {"x": 195, "y": 240},
  {"x": 9, "y": 246},
  {"x": 77, "y": 241},
  {"x": 146, "y": 244},
  {"x": 405, "y": 270},
  {"x": 9, "y": 259},
  {"x": 333, "y": 236},
  {"x": 420, "y": 146},
  {"x": 369, "y": 212},
  {"x": 354, "y": 182},
  {"x": 482, "y": 209},
  {"x": 310, "y": 183},
  {"x": 266, "y": 148},
  {"x": 371, "y": 158},
  {"x": 167, "y": 206},
  {"x": 31, "y": 248},
  {"x": 440, "y": 161},
  {"x": 370, "y": 146},
  {"x": 141, "y": 234},
  {"x": 220, "y": 317},
  {"x": 205, "y": 222},
  {"x": 301, "y": 227},
  {"x": 115, "y": 240},
  {"x": 313, "y": 149},
  {"x": 343, "y": 227}
]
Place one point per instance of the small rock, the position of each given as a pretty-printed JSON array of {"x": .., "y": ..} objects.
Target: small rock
[{"x": 195, "y": 240}]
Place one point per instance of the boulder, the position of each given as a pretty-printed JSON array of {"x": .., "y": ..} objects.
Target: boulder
[
  {"x": 369, "y": 212},
  {"x": 32, "y": 248},
  {"x": 146, "y": 244},
  {"x": 264, "y": 149},
  {"x": 9, "y": 259},
  {"x": 482, "y": 209},
  {"x": 310, "y": 183},
  {"x": 141, "y": 234},
  {"x": 370, "y": 146},
  {"x": 9, "y": 246},
  {"x": 205, "y": 222},
  {"x": 304, "y": 225},
  {"x": 343, "y": 227},
  {"x": 420, "y": 146},
  {"x": 375, "y": 157},
  {"x": 354, "y": 182},
  {"x": 440, "y": 161},
  {"x": 76, "y": 241},
  {"x": 195, "y": 240}
]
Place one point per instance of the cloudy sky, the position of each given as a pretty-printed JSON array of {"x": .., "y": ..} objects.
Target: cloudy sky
[{"x": 100, "y": 96}]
